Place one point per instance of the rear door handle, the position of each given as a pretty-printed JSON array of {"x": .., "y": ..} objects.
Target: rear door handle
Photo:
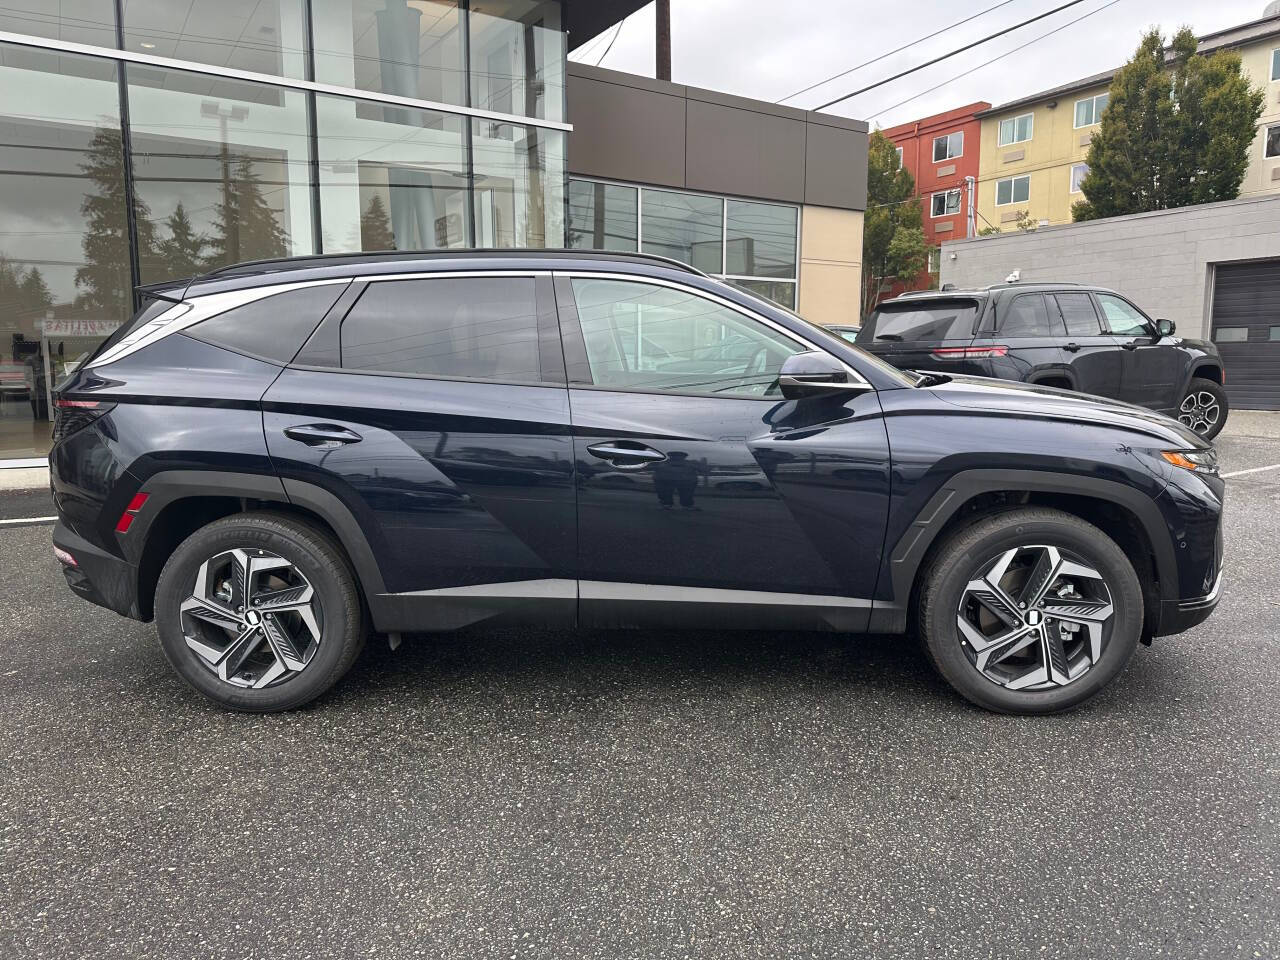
[
  {"x": 1073, "y": 347},
  {"x": 626, "y": 454},
  {"x": 319, "y": 434}
]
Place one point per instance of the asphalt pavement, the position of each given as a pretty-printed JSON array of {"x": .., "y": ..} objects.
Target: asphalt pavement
[{"x": 643, "y": 795}]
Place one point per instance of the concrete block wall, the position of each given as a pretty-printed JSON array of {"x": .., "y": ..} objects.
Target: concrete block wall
[{"x": 1163, "y": 260}]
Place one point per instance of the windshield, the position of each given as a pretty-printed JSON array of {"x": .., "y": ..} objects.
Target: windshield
[
  {"x": 821, "y": 334},
  {"x": 910, "y": 322}
]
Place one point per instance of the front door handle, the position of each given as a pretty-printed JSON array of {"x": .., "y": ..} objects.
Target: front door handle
[
  {"x": 626, "y": 454},
  {"x": 1073, "y": 347},
  {"x": 1131, "y": 345},
  {"x": 320, "y": 434}
]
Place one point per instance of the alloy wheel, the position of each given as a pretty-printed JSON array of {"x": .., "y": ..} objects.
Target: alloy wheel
[
  {"x": 1200, "y": 411},
  {"x": 252, "y": 618},
  {"x": 1035, "y": 618}
]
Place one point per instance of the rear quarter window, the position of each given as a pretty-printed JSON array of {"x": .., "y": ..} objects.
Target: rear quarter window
[
  {"x": 274, "y": 327},
  {"x": 935, "y": 320}
]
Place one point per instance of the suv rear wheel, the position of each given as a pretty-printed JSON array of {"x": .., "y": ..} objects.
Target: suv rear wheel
[
  {"x": 1030, "y": 611},
  {"x": 1204, "y": 408},
  {"x": 259, "y": 612}
]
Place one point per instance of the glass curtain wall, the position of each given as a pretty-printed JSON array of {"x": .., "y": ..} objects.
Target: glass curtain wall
[
  {"x": 118, "y": 172},
  {"x": 751, "y": 243}
]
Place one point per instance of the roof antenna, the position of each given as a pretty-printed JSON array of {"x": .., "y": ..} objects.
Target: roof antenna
[{"x": 1013, "y": 277}]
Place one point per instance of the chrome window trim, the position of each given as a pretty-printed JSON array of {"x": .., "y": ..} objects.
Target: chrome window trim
[
  {"x": 270, "y": 79},
  {"x": 859, "y": 379}
]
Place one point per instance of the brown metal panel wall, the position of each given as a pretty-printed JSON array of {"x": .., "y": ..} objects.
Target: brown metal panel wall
[
  {"x": 625, "y": 132},
  {"x": 836, "y": 167},
  {"x": 744, "y": 153},
  {"x": 1248, "y": 295}
]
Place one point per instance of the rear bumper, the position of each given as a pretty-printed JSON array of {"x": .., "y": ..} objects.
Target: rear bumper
[{"x": 98, "y": 576}]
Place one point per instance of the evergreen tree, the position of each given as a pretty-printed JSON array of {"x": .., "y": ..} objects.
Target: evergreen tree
[
  {"x": 34, "y": 294},
  {"x": 1177, "y": 131},
  {"x": 245, "y": 227},
  {"x": 893, "y": 243},
  {"x": 181, "y": 253},
  {"x": 375, "y": 227},
  {"x": 105, "y": 280}
]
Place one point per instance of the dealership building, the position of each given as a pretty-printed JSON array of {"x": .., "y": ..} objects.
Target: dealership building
[{"x": 154, "y": 139}]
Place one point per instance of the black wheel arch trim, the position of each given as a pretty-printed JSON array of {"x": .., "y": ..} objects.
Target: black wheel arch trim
[
  {"x": 169, "y": 486},
  {"x": 905, "y": 559}
]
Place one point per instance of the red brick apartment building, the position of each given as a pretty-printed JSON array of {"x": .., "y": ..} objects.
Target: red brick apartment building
[{"x": 940, "y": 151}]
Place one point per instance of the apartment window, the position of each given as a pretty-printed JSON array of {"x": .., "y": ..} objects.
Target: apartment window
[
  {"x": 1275, "y": 64},
  {"x": 948, "y": 147},
  {"x": 1016, "y": 129},
  {"x": 1013, "y": 190},
  {"x": 933, "y": 259},
  {"x": 1089, "y": 110},
  {"x": 1078, "y": 172},
  {"x": 1271, "y": 148},
  {"x": 898, "y": 153},
  {"x": 945, "y": 203}
]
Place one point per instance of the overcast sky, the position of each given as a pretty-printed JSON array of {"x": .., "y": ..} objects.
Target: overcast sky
[{"x": 768, "y": 49}]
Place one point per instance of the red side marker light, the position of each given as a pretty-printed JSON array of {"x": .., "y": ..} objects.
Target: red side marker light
[{"x": 126, "y": 519}]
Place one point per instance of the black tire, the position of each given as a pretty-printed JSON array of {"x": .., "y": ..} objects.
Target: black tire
[
  {"x": 1198, "y": 387},
  {"x": 965, "y": 556},
  {"x": 317, "y": 557}
]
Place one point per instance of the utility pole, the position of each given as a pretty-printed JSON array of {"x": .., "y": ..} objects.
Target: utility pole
[
  {"x": 971, "y": 214},
  {"x": 663, "y": 10}
]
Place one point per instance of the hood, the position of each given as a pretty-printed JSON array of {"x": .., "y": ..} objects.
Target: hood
[{"x": 1027, "y": 399}]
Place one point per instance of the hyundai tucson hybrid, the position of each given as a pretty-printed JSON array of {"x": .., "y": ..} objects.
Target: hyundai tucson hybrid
[
  {"x": 272, "y": 460},
  {"x": 1088, "y": 339}
]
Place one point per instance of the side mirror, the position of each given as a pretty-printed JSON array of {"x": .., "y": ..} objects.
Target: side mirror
[
  {"x": 1165, "y": 328},
  {"x": 815, "y": 374}
]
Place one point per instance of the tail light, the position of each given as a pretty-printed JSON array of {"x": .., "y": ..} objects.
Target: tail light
[
  {"x": 969, "y": 353},
  {"x": 71, "y": 415}
]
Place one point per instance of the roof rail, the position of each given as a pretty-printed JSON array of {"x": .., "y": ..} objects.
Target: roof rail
[{"x": 253, "y": 267}]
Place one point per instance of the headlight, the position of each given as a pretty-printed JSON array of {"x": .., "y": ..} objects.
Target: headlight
[{"x": 1198, "y": 461}]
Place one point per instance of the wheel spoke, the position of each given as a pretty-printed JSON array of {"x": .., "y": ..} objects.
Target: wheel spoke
[
  {"x": 1041, "y": 578},
  {"x": 238, "y": 651},
  {"x": 1055, "y": 656},
  {"x": 212, "y": 612},
  {"x": 991, "y": 650},
  {"x": 281, "y": 645}
]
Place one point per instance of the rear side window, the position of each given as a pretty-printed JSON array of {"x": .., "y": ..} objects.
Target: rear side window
[
  {"x": 935, "y": 320},
  {"x": 479, "y": 328},
  {"x": 274, "y": 327},
  {"x": 1078, "y": 314},
  {"x": 1026, "y": 316}
]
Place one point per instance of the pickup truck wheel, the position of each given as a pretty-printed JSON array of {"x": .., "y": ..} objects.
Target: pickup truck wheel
[
  {"x": 1204, "y": 409},
  {"x": 259, "y": 612},
  {"x": 1030, "y": 611}
]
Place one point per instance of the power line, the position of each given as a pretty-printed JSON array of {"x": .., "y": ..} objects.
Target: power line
[
  {"x": 867, "y": 63},
  {"x": 947, "y": 56},
  {"x": 616, "y": 33},
  {"x": 988, "y": 63}
]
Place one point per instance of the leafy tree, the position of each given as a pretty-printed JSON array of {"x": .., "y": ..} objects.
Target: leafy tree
[
  {"x": 893, "y": 243},
  {"x": 1177, "y": 131},
  {"x": 245, "y": 227},
  {"x": 105, "y": 279},
  {"x": 181, "y": 253},
  {"x": 375, "y": 227}
]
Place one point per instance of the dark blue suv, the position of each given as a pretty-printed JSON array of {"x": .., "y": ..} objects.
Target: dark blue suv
[{"x": 275, "y": 458}]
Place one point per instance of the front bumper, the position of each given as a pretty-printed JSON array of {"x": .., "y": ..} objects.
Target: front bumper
[
  {"x": 97, "y": 576},
  {"x": 1179, "y": 615}
]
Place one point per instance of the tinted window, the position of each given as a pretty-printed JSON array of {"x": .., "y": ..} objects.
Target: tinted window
[
  {"x": 1026, "y": 316},
  {"x": 481, "y": 328},
  {"x": 645, "y": 337},
  {"x": 1078, "y": 314},
  {"x": 274, "y": 327},
  {"x": 1121, "y": 317},
  {"x": 923, "y": 321}
]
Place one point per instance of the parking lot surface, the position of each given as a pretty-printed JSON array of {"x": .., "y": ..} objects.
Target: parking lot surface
[{"x": 642, "y": 795}]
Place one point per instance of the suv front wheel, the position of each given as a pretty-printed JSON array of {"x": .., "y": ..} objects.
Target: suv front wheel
[
  {"x": 259, "y": 612},
  {"x": 1030, "y": 611}
]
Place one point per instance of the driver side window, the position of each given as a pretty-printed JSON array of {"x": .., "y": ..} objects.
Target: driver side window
[
  {"x": 642, "y": 336},
  {"x": 1122, "y": 318}
]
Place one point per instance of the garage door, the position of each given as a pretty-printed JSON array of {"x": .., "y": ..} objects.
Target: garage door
[{"x": 1246, "y": 328}]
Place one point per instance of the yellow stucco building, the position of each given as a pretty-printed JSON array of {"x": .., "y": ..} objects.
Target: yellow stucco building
[{"x": 1034, "y": 149}]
